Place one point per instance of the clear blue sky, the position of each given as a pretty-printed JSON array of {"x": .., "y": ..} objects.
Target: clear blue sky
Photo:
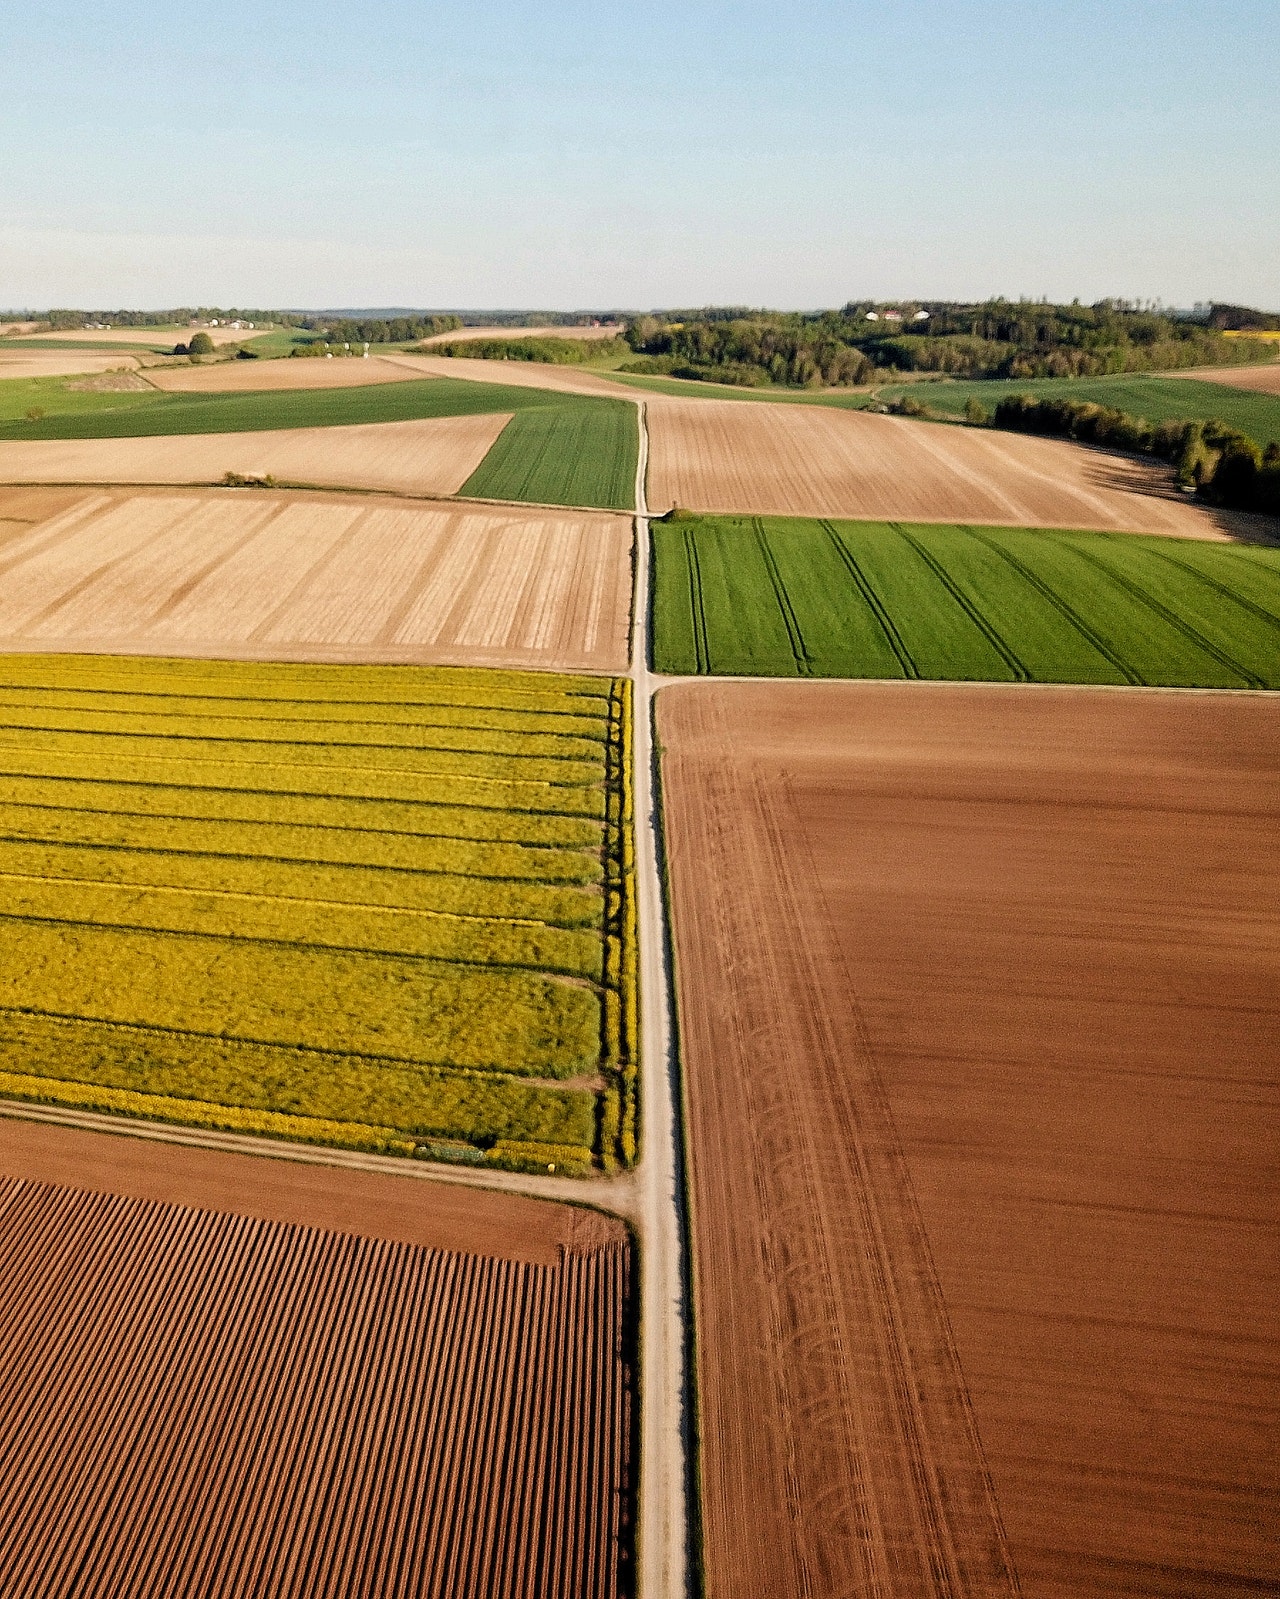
[{"x": 569, "y": 154}]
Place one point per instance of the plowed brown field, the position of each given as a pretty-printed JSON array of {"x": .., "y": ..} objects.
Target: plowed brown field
[
  {"x": 429, "y": 457},
  {"x": 808, "y": 460},
  {"x": 978, "y": 993},
  {"x": 204, "y": 1402},
  {"x": 313, "y": 577},
  {"x": 235, "y": 377}
]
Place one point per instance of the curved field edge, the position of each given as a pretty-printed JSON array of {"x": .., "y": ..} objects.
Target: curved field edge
[
  {"x": 801, "y": 597},
  {"x": 137, "y": 984},
  {"x": 559, "y": 449}
]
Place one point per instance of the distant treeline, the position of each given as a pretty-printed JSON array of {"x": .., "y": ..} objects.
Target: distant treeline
[
  {"x": 1224, "y": 465},
  {"x": 382, "y": 330},
  {"x": 863, "y": 342},
  {"x": 557, "y": 351},
  {"x": 65, "y": 321}
]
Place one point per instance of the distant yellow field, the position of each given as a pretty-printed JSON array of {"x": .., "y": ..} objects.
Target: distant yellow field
[{"x": 1271, "y": 334}]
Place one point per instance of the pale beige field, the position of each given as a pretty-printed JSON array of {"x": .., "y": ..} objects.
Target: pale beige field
[
  {"x": 805, "y": 460},
  {"x": 169, "y": 336},
  {"x": 519, "y": 374},
  {"x": 61, "y": 363},
  {"x": 1261, "y": 379},
  {"x": 281, "y": 576},
  {"x": 430, "y": 457},
  {"x": 235, "y": 377},
  {"x": 459, "y": 334}
]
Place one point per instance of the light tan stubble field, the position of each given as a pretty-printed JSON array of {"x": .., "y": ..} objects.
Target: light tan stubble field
[
  {"x": 225, "y": 377},
  {"x": 1262, "y": 379},
  {"x": 436, "y": 456},
  {"x": 276, "y": 576},
  {"x": 979, "y": 1022},
  {"x": 802, "y": 460}
]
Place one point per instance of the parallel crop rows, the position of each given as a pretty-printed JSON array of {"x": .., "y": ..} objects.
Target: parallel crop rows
[
  {"x": 793, "y": 597},
  {"x": 202, "y": 1406},
  {"x": 384, "y": 907}
]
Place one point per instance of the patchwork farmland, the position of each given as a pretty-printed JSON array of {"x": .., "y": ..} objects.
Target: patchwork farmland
[
  {"x": 799, "y": 598},
  {"x": 213, "y": 1390},
  {"x": 553, "y": 449},
  {"x": 282, "y": 576},
  {"x": 978, "y": 1022},
  {"x": 382, "y": 908}
]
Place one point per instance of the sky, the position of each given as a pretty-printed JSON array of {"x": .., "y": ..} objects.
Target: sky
[{"x": 567, "y": 154}]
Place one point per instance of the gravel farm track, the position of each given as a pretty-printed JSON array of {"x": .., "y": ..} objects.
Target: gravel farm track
[{"x": 977, "y": 990}]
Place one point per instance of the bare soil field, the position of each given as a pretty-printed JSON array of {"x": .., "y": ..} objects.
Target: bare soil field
[
  {"x": 978, "y": 1003},
  {"x": 1261, "y": 379},
  {"x": 519, "y": 374},
  {"x": 270, "y": 575},
  {"x": 236, "y": 377},
  {"x": 61, "y": 363},
  {"x": 169, "y": 336},
  {"x": 435, "y": 456},
  {"x": 817, "y": 461},
  {"x": 204, "y": 1397},
  {"x": 461, "y": 335}
]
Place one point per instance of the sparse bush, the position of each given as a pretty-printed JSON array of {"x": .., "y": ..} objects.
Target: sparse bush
[
  {"x": 976, "y": 414},
  {"x": 35, "y": 413},
  {"x": 201, "y": 344}
]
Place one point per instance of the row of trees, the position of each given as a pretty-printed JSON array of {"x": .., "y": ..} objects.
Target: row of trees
[
  {"x": 557, "y": 351},
  {"x": 382, "y": 330},
  {"x": 1222, "y": 464}
]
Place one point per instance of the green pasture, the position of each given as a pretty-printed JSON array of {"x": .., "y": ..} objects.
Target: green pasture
[
  {"x": 378, "y": 906},
  {"x": 792, "y": 597},
  {"x": 558, "y": 449},
  {"x": 1158, "y": 399}
]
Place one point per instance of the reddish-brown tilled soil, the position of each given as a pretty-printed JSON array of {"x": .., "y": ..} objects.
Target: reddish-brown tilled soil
[
  {"x": 979, "y": 995},
  {"x": 201, "y": 1396}
]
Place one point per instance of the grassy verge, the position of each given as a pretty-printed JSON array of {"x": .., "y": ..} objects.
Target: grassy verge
[
  {"x": 793, "y": 597},
  {"x": 381, "y": 907}
]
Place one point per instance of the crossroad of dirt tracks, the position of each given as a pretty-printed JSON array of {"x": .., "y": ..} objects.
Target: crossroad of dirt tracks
[{"x": 979, "y": 1027}]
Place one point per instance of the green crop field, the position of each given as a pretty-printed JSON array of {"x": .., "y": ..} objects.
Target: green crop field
[
  {"x": 784, "y": 597},
  {"x": 1158, "y": 399},
  {"x": 387, "y": 907},
  {"x": 558, "y": 449}
]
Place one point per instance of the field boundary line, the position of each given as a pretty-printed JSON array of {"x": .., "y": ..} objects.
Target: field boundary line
[{"x": 614, "y": 1195}]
